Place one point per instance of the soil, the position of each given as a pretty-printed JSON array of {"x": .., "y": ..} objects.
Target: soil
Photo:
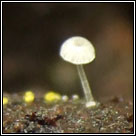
[{"x": 113, "y": 116}]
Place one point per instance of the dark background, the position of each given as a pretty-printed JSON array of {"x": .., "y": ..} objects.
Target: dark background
[{"x": 34, "y": 32}]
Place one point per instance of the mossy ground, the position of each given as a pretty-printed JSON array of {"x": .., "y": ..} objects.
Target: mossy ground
[{"x": 113, "y": 116}]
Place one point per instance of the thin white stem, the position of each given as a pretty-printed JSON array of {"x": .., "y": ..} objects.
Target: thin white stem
[{"x": 85, "y": 84}]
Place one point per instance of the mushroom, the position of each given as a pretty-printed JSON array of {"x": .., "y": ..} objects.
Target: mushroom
[{"x": 78, "y": 50}]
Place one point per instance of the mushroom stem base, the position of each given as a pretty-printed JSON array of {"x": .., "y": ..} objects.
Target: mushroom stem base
[{"x": 85, "y": 85}]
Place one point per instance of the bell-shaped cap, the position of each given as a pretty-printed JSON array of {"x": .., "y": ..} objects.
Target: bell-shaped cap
[{"x": 77, "y": 50}]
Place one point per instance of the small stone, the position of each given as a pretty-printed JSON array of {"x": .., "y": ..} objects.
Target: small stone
[{"x": 75, "y": 97}]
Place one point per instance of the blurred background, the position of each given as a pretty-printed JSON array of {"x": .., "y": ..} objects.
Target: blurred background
[{"x": 33, "y": 34}]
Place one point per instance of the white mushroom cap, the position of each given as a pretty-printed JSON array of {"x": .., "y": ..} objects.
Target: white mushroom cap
[{"x": 77, "y": 50}]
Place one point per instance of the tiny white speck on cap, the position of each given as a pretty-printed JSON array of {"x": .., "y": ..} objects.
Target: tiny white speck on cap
[{"x": 77, "y": 50}]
